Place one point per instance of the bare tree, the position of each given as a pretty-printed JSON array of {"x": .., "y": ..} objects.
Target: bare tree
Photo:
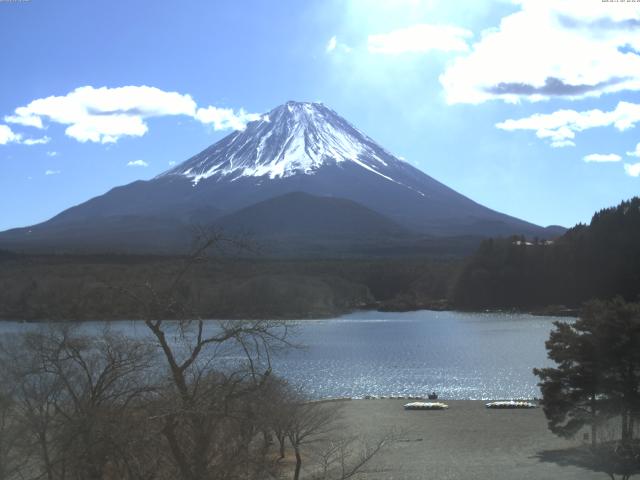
[
  {"x": 278, "y": 398},
  {"x": 344, "y": 458},
  {"x": 310, "y": 422},
  {"x": 214, "y": 369},
  {"x": 193, "y": 400},
  {"x": 74, "y": 399},
  {"x": 12, "y": 459}
]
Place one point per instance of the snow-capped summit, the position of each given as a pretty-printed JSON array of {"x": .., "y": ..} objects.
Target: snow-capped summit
[
  {"x": 294, "y": 138},
  {"x": 301, "y": 169}
]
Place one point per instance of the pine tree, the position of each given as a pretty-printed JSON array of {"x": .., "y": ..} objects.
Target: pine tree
[
  {"x": 598, "y": 370},
  {"x": 571, "y": 391}
]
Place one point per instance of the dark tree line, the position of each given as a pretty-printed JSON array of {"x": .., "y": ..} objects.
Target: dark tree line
[
  {"x": 599, "y": 260},
  {"x": 75, "y": 287}
]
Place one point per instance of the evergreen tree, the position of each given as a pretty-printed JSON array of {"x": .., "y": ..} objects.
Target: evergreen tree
[
  {"x": 617, "y": 327},
  {"x": 598, "y": 370},
  {"x": 570, "y": 391},
  {"x": 601, "y": 260}
]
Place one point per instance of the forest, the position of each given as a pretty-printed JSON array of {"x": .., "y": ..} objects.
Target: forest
[
  {"x": 82, "y": 287},
  {"x": 599, "y": 260}
]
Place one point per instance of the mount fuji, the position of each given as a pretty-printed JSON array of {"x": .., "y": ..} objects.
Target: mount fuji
[{"x": 300, "y": 173}]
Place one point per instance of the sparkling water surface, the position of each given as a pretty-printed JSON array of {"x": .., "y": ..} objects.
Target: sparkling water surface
[{"x": 458, "y": 355}]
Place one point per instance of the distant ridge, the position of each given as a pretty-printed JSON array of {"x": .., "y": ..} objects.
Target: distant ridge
[
  {"x": 299, "y": 213},
  {"x": 296, "y": 147}
]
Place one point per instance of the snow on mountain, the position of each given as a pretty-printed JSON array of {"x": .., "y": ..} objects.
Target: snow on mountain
[
  {"x": 293, "y": 164},
  {"x": 293, "y": 139}
]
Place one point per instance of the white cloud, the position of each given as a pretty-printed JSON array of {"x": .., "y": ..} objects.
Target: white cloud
[
  {"x": 26, "y": 119},
  {"x": 52, "y": 172},
  {"x": 8, "y": 136},
  {"x": 137, "y": 163},
  {"x": 104, "y": 114},
  {"x": 602, "y": 157},
  {"x": 561, "y": 126},
  {"x": 107, "y": 129},
  {"x": 421, "y": 38},
  {"x": 331, "y": 44},
  {"x": 636, "y": 152},
  {"x": 36, "y": 141},
  {"x": 568, "y": 48},
  {"x": 226, "y": 118},
  {"x": 562, "y": 143},
  {"x": 52, "y": 154},
  {"x": 632, "y": 169},
  {"x": 334, "y": 46},
  {"x": 172, "y": 163}
]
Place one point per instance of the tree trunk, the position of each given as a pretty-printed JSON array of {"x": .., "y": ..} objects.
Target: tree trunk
[
  {"x": 281, "y": 441},
  {"x": 174, "y": 446},
  {"x": 624, "y": 417},
  {"x": 594, "y": 428},
  {"x": 42, "y": 437},
  {"x": 296, "y": 474}
]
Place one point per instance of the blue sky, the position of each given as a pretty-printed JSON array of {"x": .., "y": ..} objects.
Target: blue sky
[{"x": 529, "y": 107}]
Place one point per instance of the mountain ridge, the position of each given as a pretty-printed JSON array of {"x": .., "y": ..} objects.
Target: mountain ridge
[
  {"x": 296, "y": 147},
  {"x": 305, "y": 136}
]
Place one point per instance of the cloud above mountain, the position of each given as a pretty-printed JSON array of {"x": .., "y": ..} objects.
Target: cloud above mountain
[
  {"x": 137, "y": 163},
  {"x": 105, "y": 115},
  {"x": 334, "y": 46},
  {"x": 7, "y": 135},
  {"x": 635, "y": 152},
  {"x": 550, "y": 48},
  {"x": 632, "y": 169},
  {"x": 226, "y": 118},
  {"x": 562, "y": 125},
  {"x": 602, "y": 157},
  {"x": 420, "y": 38}
]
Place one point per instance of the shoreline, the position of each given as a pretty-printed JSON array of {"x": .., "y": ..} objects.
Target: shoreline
[
  {"x": 548, "y": 312},
  {"x": 419, "y": 398},
  {"x": 467, "y": 440}
]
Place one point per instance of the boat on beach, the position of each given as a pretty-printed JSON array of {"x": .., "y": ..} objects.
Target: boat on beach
[
  {"x": 426, "y": 406},
  {"x": 510, "y": 404}
]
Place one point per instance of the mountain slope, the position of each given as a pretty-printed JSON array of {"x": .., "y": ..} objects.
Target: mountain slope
[
  {"x": 302, "y": 214},
  {"x": 296, "y": 147},
  {"x": 308, "y": 147}
]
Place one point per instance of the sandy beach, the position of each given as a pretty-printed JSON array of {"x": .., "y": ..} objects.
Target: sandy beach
[{"x": 467, "y": 441}]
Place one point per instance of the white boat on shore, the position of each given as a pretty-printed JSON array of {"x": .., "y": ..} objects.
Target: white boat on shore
[
  {"x": 426, "y": 406},
  {"x": 509, "y": 404}
]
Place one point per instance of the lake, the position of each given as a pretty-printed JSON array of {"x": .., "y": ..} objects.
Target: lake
[{"x": 458, "y": 355}]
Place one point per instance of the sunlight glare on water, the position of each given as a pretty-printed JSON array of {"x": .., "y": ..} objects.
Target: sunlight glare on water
[{"x": 458, "y": 355}]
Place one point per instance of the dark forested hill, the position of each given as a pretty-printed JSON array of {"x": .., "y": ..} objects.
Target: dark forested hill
[
  {"x": 599, "y": 260},
  {"x": 96, "y": 287},
  {"x": 301, "y": 214}
]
